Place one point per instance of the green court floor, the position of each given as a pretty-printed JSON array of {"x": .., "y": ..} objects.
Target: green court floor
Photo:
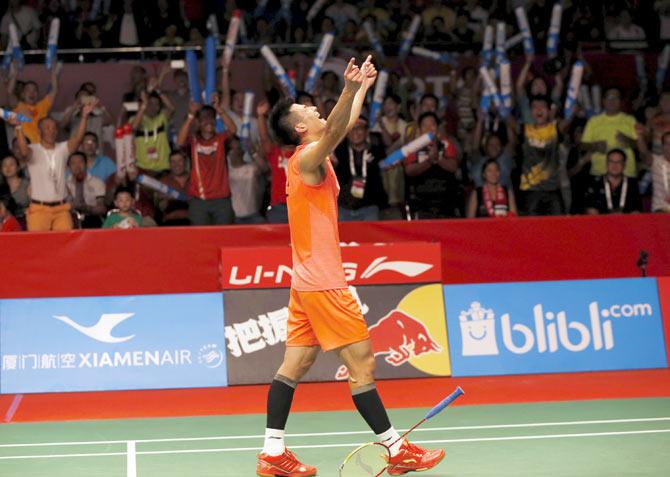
[{"x": 586, "y": 438}]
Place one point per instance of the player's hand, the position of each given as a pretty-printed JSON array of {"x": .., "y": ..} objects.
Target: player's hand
[
  {"x": 353, "y": 77},
  {"x": 369, "y": 71}
]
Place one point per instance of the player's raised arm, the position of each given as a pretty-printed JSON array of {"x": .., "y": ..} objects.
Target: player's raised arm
[
  {"x": 336, "y": 126},
  {"x": 370, "y": 75}
]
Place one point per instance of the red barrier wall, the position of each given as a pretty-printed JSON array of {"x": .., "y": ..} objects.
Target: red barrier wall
[{"x": 180, "y": 260}]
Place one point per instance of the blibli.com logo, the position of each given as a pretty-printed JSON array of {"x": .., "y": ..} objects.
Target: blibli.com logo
[{"x": 550, "y": 331}]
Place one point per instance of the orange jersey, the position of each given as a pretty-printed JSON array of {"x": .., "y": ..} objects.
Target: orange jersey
[{"x": 315, "y": 239}]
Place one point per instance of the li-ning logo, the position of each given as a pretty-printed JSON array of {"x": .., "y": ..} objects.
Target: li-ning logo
[
  {"x": 378, "y": 265},
  {"x": 550, "y": 330},
  {"x": 102, "y": 330}
]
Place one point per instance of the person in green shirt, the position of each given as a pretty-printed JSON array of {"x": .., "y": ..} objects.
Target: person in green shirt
[
  {"x": 609, "y": 130},
  {"x": 150, "y": 124},
  {"x": 124, "y": 216}
]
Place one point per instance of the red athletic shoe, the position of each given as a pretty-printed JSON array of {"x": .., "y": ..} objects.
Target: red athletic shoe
[
  {"x": 284, "y": 465},
  {"x": 413, "y": 458}
]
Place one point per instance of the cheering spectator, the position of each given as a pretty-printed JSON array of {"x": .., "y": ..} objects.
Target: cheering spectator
[
  {"x": 175, "y": 212},
  {"x": 98, "y": 165},
  {"x": 152, "y": 148},
  {"x": 492, "y": 199},
  {"x": 540, "y": 179},
  {"x": 434, "y": 190},
  {"x": 614, "y": 192},
  {"x": 660, "y": 123},
  {"x": 85, "y": 193},
  {"x": 99, "y": 118},
  {"x": 8, "y": 222},
  {"x": 47, "y": 161},
  {"x": 362, "y": 193},
  {"x": 244, "y": 182},
  {"x": 394, "y": 135},
  {"x": 660, "y": 174},
  {"x": 30, "y": 105},
  {"x": 180, "y": 98},
  {"x": 536, "y": 86},
  {"x": 609, "y": 130},
  {"x": 27, "y": 24},
  {"x": 17, "y": 184},
  {"x": 632, "y": 35},
  {"x": 124, "y": 216},
  {"x": 494, "y": 149},
  {"x": 277, "y": 158},
  {"x": 209, "y": 190}
]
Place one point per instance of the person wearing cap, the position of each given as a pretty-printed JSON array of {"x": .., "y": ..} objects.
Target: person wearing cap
[{"x": 608, "y": 130}]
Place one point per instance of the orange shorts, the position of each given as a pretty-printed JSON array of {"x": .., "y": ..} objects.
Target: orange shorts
[{"x": 328, "y": 318}]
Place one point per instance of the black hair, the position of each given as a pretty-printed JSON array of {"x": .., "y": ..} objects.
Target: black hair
[
  {"x": 76, "y": 153},
  {"x": 10, "y": 204},
  {"x": 487, "y": 163},
  {"x": 46, "y": 118},
  {"x": 19, "y": 171},
  {"x": 123, "y": 189},
  {"x": 365, "y": 119},
  {"x": 396, "y": 99},
  {"x": 206, "y": 109},
  {"x": 304, "y": 94},
  {"x": 667, "y": 134},
  {"x": 428, "y": 114},
  {"x": 543, "y": 98},
  {"x": 429, "y": 96},
  {"x": 281, "y": 124},
  {"x": 616, "y": 150},
  {"x": 91, "y": 133},
  {"x": 229, "y": 140}
]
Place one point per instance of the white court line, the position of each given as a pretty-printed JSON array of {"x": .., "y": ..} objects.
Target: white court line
[
  {"x": 345, "y": 433},
  {"x": 350, "y": 445},
  {"x": 131, "y": 463}
]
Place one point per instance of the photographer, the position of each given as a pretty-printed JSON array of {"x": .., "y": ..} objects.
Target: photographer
[{"x": 434, "y": 190}]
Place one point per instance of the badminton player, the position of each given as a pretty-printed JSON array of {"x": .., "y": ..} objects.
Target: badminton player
[{"x": 322, "y": 312}]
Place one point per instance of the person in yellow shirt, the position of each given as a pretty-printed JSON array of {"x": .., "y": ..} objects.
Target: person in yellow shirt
[
  {"x": 609, "y": 130},
  {"x": 29, "y": 103}
]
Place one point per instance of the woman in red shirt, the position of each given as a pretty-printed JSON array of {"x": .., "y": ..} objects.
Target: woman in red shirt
[{"x": 7, "y": 220}]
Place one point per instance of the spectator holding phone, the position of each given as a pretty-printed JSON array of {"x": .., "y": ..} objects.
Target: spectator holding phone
[{"x": 434, "y": 190}]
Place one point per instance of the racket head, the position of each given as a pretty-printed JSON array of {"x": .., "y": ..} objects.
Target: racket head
[{"x": 368, "y": 460}]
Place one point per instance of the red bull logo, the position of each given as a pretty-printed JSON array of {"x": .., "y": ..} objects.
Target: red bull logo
[{"x": 398, "y": 337}]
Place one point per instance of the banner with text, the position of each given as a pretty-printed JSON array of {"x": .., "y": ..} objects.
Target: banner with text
[
  {"x": 364, "y": 264},
  {"x": 545, "y": 327},
  {"x": 407, "y": 329},
  {"x": 112, "y": 343}
]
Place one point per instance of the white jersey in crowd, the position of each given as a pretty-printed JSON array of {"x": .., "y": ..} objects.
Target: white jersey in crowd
[
  {"x": 660, "y": 173},
  {"x": 47, "y": 172},
  {"x": 244, "y": 191}
]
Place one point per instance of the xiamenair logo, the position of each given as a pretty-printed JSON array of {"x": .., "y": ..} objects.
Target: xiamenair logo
[
  {"x": 102, "y": 330},
  {"x": 210, "y": 356},
  {"x": 550, "y": 331}
]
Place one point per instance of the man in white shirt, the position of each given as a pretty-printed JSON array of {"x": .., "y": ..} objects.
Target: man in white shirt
[
  {"x": 85, "y": 193},
  {"x": 47, "y": 161}
]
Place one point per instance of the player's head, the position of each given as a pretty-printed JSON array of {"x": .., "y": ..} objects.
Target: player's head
[{"x": 291, "y": 122}]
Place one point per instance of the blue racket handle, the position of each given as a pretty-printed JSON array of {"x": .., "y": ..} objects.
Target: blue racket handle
[{"x": 444, "y": 403}]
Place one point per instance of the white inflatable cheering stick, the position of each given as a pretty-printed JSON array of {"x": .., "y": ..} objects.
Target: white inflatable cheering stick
[
  {"x": 319, "y": 60},
  {"x": 378, "y": 97},
  {"x": 52, "y": 47},
  {"x": 554, "y": 30},
  {"x": 409, "y": 148},
  {"x": 231, "y": 37},
  {"x": 278, "y": 70},
  {"x": 524, "y": 27},
  {"x": 409, "y": 36},
  {"x": 574, "y": 87},
  {"x": 433, "y": 55}
]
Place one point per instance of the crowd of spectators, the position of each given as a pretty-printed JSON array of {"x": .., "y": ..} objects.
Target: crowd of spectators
[{"x": 57, "y": 175}]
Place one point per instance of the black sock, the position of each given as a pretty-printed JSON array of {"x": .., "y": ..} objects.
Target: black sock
[
  {"x": 280, "y": 397},
  {"x": 369, "y": 404}
]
